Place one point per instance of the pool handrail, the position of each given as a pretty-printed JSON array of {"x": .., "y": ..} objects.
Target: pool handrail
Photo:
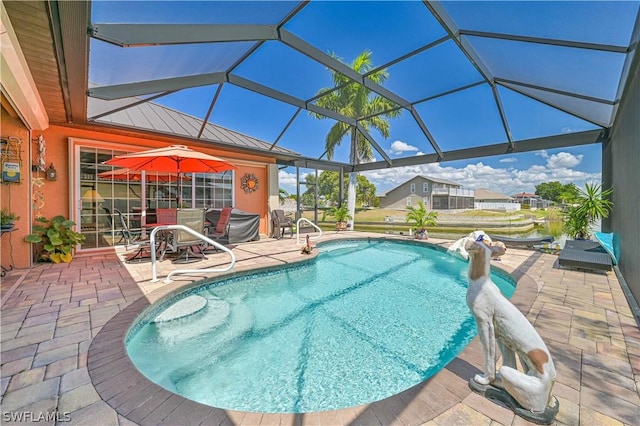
[
  {"x": 317, "y": 237},
  {"x": 204, "y": 238}
]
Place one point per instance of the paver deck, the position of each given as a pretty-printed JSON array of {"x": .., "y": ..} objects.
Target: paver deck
[{"x": 63, "y": 358}]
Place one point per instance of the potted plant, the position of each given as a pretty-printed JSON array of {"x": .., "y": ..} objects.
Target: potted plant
[
  {"x": 7, "y": 219},
  {"x": 341, "y": 215},
  {"x": 590, "y": 206},
  {"x": 58, "y": 238},
  {"x": 421, "y": 218}
]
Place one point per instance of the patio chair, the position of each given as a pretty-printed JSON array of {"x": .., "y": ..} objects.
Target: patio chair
[
  {"x": 221, "y": 229},
  {"x": 184, "y": 241},
  {"x": 166, "y": 216},
  {"x": 280, "y": 223},
  {"x": 132, "y": 238},
  {"x": 126, "y": 234}
]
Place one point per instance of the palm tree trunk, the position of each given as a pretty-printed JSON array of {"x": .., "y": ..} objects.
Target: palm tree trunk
[{"x": 351, "y": 189}]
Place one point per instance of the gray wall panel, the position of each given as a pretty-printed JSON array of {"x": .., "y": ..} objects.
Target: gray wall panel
[{"x": 621, "y": 170}]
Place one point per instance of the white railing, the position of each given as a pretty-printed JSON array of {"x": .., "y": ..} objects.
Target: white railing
[
  {"x": 304, "y": 219},
  {"x": 460, "y": 192},
  {"x": 187, "y": 271},
  {"x": 510, "y": 207}
]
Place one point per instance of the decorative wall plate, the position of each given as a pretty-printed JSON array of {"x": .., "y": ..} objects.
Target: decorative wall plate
[{"x": 249, "y": 183}]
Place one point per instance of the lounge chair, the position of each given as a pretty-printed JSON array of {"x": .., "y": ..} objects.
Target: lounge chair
[
  {"x": 280, "y": 224},
  {"x": 585, "y": 254},
  {"x": 529, "y": 242}
]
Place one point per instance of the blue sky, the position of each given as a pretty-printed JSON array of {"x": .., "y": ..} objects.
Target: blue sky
[{"x": 390, "y": 29}]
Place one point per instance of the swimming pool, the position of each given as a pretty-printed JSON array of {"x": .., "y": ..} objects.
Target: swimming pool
[{"x": 363, "y": 321}]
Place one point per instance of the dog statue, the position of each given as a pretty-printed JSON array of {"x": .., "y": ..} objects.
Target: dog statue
[{"x": 499, "y": 321}]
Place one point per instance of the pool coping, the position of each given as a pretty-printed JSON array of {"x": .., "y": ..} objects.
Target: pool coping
[{"x": 136, "y": 398}]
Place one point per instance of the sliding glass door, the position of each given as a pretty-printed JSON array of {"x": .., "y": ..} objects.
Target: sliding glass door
[{"x": 105, "y": 194}]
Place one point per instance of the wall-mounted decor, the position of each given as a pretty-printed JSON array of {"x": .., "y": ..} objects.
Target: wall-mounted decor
[
  {"x": 249, "y": 183},
  {"x": 10, "y": 160},
  {"x": 52, "y": 174}
]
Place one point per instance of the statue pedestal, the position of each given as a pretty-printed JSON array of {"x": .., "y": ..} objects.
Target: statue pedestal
[{"x": 502, "y": 397}]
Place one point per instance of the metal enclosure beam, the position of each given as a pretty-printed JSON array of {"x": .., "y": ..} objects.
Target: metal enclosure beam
[
  {"x": 73, "y": 55},
  {"x": 426, "y": 132},
  {"x": 452, "y": 29},
  {"x": 546, "y": 102},
  {"x": 119, "y": 91},
  {"x": 560, "y": 141},
  {"x": 337, "y": 66},
  {"x": 374, "y": 143},
  {"x": 548, "y": 41},
  {"x": 133, "y": 35}
]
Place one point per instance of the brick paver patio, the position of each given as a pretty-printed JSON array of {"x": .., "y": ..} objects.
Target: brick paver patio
[{"x": 62, "y": 350}]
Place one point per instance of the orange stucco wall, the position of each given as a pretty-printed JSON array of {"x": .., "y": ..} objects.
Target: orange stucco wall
[
  {"x": 15, "y": 198},
  {"x": 254, "y": 202},
  {"x": 57, "y": 193}
]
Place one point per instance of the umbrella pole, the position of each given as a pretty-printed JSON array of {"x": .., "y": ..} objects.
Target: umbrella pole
[{"x": 179, "y": 189}]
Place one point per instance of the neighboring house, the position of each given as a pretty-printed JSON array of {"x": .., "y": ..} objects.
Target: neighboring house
[
  {"x": 532, "y": 200},
  {"x": 489, "y": 200},
  {"x": 436, "y": 194}
]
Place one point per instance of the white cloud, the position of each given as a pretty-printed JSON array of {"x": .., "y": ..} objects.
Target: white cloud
[
  {"x": 508, "y": 160},
  {"x": 563, "y": 159},
  {"x": 287, "y": 181},
  {"x": 509, "y": 181},
  {"x": 542, "y": 153},
  {"x": 398, "y": 147}
]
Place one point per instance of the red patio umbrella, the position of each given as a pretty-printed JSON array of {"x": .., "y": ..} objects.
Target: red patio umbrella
[
  {"x": 174, "y": 159},
  {"x": 136, "y": 176}
]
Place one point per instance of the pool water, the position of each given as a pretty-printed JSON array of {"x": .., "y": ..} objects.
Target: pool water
[{"x": 363, "y": 321}]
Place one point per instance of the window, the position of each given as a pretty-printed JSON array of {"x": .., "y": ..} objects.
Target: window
[
  {"x": 103, "y": 191},
  {"x": 413, "y": 188},
  {"x": 425, "y": 187},
  {"x": 409, "y": 201},
  {"x": 425, "y": 201},
  {"x": 213, "y": 190},
  {"x": 436, "y": 202}
]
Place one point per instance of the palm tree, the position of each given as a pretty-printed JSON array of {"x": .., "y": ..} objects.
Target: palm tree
[
  {"x": 356, "y": 101},
  {"x": 421, "y": 218},
  {"x": 591, "y": 205},
  {"x": 282, "y": 195}
]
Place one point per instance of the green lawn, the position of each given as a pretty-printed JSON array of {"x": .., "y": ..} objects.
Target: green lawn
[{"x": 378, "y": 215}]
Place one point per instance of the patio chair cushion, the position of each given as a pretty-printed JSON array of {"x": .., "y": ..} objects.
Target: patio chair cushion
[{"x": 610, "y": 243}]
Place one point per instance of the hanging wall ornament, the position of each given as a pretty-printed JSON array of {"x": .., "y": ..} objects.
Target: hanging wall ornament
[
  {"x": 42, "y": 152},
  {"x": 249, "y": 183}
]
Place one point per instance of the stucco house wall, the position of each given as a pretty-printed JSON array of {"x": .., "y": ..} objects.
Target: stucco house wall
[
  {"x": 402, "y": 196},
  {"x": 58, "y": 195},
  {"x": 397, "y": 197}
]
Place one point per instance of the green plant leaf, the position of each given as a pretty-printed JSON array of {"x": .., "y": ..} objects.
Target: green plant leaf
[
  {"x": 56, "y": 240},
  {"x": 33, "y": 238}
]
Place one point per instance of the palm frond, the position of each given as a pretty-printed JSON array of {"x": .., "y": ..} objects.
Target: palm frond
[{"x": 354, "y": 100}]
